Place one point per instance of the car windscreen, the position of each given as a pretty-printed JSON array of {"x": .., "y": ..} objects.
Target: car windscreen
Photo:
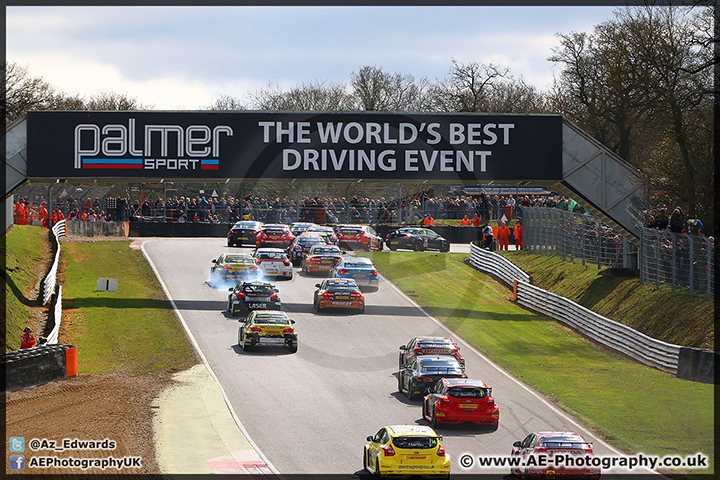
[
  {"x": 343, "y": 289},
  {"x": 415, "y": 442},
  {"x": 350, "y": 231},
  {"x": 258, "y": 289},
  {"x": 326, "y": 251},
  {"x": 427, "y": 342},
  {"x": 239, "y": 260},
  {"x": 467, "y": 392},
  {"x": 274, "y": 232},
  {"x": 272, "y": 321},
  {"x": 358, "y": 262},
  {"x": 272, "y": 256},
  {"x": 564, "y": 442}
]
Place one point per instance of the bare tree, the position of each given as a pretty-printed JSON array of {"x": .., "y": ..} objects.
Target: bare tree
[
  {"x": 467, "y": 87},
  {"x": 22, "y": 92},
  {"x": 378, "y": 91},
  {"x": 114, "y": 101},
  {"x": 226, "y": 102},
  {"x": 318, "y": 96}
]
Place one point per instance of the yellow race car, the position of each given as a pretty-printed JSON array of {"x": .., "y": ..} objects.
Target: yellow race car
[
  {"x": 406, "y": 450},
  {"x": 267, "y": 328}
]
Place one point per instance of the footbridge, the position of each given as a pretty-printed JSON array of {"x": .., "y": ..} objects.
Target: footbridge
[{"x": 90, "y": 147}]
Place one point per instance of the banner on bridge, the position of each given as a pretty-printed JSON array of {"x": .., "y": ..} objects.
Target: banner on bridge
[{"x": 287, "y": 145}]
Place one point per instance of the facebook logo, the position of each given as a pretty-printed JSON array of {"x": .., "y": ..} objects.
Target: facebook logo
[
  {"x": 17, "y": 444},
  {"x": 17, "y": 462}
]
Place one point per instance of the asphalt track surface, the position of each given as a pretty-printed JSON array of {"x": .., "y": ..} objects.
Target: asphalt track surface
[{"x": 310, "y": 412}]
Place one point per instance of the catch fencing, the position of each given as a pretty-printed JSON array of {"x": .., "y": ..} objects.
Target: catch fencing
[
  {"x": 614, "y": 335},
  {"x": 680, "y": 261}
]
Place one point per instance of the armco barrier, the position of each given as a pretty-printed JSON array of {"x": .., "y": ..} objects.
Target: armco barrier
[
  {"x": 619, "y": 337},
  {"x": 39, "y": 365},
  {"x": 688, "y": 363},
  {"x": 496, "y": 265},
  {"x": 79, "y": 228},
  {"x": 48, "y": 284}
]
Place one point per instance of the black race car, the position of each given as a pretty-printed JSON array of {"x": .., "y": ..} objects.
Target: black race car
[
  {"x": 416, "y": 238},
  {"x": 243, "y": 233},
  {"x": 423, "y": 372},
  {"x": 256, "y": 295}
]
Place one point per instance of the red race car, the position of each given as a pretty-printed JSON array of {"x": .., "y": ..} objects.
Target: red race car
[
  {"x": 429, "y": 346},
  {"x": 460, "y": 400},
  {"x": 359, "y": 236},
  {"x": 274, "y": 235},
  {"x": 552, "y": 445}
]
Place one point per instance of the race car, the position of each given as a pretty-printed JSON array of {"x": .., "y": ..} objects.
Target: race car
[
  {"x": 547, "y": 444},
  {"x": 460, "y": 400},
  {"x": 421, "y": 374},
  {"x": 297, "y": 228},
  {"x": 273, "y": 262},
  {"x": 327, "y": 232},
  {"x": 359, "y": 237},
  {"x": 338, "y": 293},
  {"x": 321, "y": 258},
  {"x": 274, "y": 235},
  {"x": 418, "y": 239},
  {"x": 243, "y": 233},
  {"x": 360, "y": 269},
  {"x": 301, "y": 245},
  {"x": 406, "y": 450},
  {"x": 267, "y": 328},
  {"x": 254, "y": 295},
  {"x": 233, "y": 266},
  {"x": 429, "y": 346}
]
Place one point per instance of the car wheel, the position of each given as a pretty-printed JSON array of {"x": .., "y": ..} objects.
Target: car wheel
[
  {"x": 362, "y": 310},
  {"x": 495, "y": 427},
  {"x": 292, "y": 349},
  {"x": 400, "y": 362},
  {"x": 445, "y": 247},
  {"x": 241, "y": 340},
  {"x": 304, "y": 269},
  {"x": 418, "y": 246},
  {"x": 400, "y": 387},
  {"x": 229, "y": 243},
  {"x": 433, "y": 419},
  {"x": 392, "y": 248},
  {"x": 410, "y": 392}
]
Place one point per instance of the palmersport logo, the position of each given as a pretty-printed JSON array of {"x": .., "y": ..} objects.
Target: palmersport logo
[{"x": 164, "y": 147}]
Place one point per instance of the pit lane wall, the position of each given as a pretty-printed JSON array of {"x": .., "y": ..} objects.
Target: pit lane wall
[{"x": 688, "y": 363}]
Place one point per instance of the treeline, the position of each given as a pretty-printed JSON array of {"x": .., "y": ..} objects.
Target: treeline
[{"x": 641, "y": 83}]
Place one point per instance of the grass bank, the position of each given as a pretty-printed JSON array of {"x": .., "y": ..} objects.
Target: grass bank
[
  {"x": 659, "y": 313},
  {"x": 635, "y": 408},
  {"x": 132, "y": 330},
  {"x": 27, "y": 251}
]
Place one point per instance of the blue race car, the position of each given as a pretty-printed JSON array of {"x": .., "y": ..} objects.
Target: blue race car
[{"x": 360, "y": 269}]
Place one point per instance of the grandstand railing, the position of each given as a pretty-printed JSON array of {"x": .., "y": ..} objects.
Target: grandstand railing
[{"x": 646, "y": 350}]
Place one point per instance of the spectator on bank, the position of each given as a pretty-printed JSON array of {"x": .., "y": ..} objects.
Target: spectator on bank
[
  {"x": 510, "y": 208},
  {"x": 488, "y": 235},
  {"x": 677, "y": 221},
  {"x": 27, "y": 340}
]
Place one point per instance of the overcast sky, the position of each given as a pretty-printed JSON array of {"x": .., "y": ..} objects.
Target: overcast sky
[{"x": 185, "y": 57}]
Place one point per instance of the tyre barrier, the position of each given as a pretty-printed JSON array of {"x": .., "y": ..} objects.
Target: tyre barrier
[{"x": 39, "y": 365}]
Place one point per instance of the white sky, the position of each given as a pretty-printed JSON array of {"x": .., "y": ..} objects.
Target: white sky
[{"x": 183, "y": 58}]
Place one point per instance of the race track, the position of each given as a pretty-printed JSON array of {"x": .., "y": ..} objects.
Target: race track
[{"x": 310, "y": 412}]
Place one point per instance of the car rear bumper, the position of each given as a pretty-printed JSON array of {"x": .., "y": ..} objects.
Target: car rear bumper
[{"x": 479, "y": 418}]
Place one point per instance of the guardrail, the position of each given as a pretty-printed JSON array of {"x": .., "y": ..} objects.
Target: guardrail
[
  {"x": 497, "y": 265},
  {"x": 48, "y": 284},
  {"x": 619, "y": 337},
  {"x": 52, "y": 337},
  {"x": 646, "y": 350}
]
